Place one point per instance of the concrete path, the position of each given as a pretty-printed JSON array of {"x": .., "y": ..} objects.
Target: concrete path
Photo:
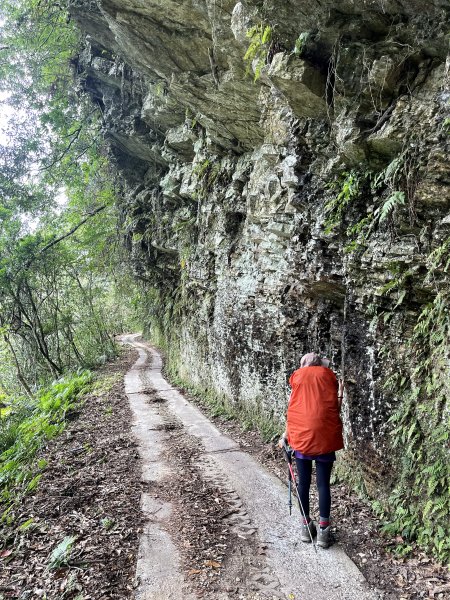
[{"x": 292, "y": 570}]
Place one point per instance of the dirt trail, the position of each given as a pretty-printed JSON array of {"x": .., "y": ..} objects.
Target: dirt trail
[{"x": 217, "y": 522}]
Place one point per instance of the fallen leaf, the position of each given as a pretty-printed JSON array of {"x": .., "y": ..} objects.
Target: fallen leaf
[
  {"x": 212, "y": 563},
  {"x": 194, "y": 571},
  {"x": 5, "y": 553}
]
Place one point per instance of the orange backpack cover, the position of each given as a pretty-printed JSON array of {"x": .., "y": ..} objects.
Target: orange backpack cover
[{"x": 313, "y": 422}]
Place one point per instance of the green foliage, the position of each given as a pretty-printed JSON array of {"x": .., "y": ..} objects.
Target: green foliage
[
  {"x": 28, "y": 427},
  {"x": 358, "y": 234},
  {"x": 104, "y": 383},
  {"x": 439, "y": 258},
  {"x": 256, "y": 419},
  {"x": 207, "y": 173},
  {"x": 395, "y": 184},
  {"x": 419, "y": 505},
  {"x": 385, "y": 186},
  {"x": 59, "y": 263},
  {"x": 202, "y": 168},
  {"x": 28, "y": 524},
  {"x": 58, "y": 259},
  {"x": 107, "y": 523},
  {"x": 385, "y": 211},
  {"x": 347, "y": 186},
  {"x": 390, "y": 174},
  {"x": 399, "y": 282},
  {"x": 60, "y": 556},
  {"x": 159, "y": 88},
  {"x": 257, "y": 52}
]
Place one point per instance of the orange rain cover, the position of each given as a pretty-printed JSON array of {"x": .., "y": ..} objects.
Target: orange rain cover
[{"x": 313, "y": 422}]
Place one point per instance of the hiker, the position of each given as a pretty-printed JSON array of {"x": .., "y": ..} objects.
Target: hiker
[{"x": 314, "y": 432}]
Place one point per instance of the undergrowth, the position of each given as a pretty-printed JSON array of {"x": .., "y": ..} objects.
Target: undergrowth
[
  {"x": 28, "y": 427},
  {"x": 419, "y": 505}
]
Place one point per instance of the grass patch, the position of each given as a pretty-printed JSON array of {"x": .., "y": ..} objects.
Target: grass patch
[{"x": 104, "y": 383}]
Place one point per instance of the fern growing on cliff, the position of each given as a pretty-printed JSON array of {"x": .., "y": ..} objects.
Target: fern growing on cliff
[
  {"x": 419, "y": 504},
  {"x": 256, "y": 56},
  {"x": 347, "y": 187},
  {"x": 384, "y": 211}
]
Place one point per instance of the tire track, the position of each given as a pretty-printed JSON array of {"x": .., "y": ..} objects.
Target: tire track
[{"x": 204, "y": 501}]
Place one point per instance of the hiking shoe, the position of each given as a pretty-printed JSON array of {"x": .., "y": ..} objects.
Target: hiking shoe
[
  {"x": 304, "y": 533},
  {"x": 324, "y": 536}
]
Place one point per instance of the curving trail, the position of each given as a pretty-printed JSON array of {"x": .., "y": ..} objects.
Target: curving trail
[{"x": 263, "y": 558}]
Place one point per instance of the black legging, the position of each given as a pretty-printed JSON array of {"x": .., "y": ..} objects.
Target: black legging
[{"x": 323, "y": 474}]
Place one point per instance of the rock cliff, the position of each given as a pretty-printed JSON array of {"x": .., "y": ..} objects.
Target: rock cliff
[{"x": 285, "y": 189}]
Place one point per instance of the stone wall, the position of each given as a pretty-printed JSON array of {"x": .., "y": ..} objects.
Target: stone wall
[{"x": 243, "y": 180}]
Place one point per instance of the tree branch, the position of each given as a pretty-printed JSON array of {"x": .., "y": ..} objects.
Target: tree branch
[
  {"x": 71, "y": 232},
  {"x": 55, "y": 241},
  {"x": 64, "y": 153}
]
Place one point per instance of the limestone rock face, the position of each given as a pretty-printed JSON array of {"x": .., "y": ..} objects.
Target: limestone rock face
[{"x": 257, "y": 190}]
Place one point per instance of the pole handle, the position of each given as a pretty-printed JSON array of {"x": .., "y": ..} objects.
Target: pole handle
[{"x": 287, "y": 451}]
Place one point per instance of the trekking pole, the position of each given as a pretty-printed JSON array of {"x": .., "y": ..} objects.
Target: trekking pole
[
  {"x": 290, "y": 492},
  {"x": 291, "y": 477}
]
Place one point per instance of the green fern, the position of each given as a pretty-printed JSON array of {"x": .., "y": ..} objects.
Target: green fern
[
  {"x": 418, "y": 507},
  {"x": 388, "y": 175},
  {"x": 436, "y": 257},
  {"x": 260, "y": 41},
  {"x": 421, "y": 432},
  {"x": 383, "y": 212},
  {"x": 348, "y": 187}
]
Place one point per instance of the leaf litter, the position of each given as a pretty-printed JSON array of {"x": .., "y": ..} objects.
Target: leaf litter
[{"x": 76, "y": 536}]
